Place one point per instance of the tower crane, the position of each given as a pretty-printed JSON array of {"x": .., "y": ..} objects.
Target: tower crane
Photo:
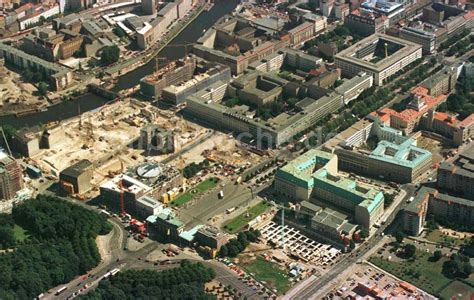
[{"x": 6, "y": 142}]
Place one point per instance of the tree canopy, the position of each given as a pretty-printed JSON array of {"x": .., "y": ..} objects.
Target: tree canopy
[
  {"x": 109, "y": 55},
  {"x": 60, "y": 246},
  {"x": 184, "y": 282}
]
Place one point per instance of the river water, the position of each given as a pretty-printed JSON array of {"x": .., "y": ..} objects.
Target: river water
[{"x": 89, "y": 101}]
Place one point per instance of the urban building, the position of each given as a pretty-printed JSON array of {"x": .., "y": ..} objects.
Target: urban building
[
  {"x": 414, "y": 214},
  {"x": 76, "y": 179},
  {"x": 212, "y": 237},
  {"x": 457, "y": 176},
  {"x": 11, "y": 177},
  {"x": 408, "y": 119},
  {"x": 165, "y": 225},
  {"x": 394, "y": 158},
  {"x": 350, "y": 89},
  {"x": 257, "y": 89},
  {"x": 148, "y": 206},
  {"x": 442, "y": 82},
  {"x": 126, "y": 187},
  {"x": 328, "y": 224},
  {"x": 379, "y": 55},
  {"x": 314, "y": 177},
  {"x": 156, "y": 139},
  {"x": 60, "y": 77},
  {"x": 149, "y": 7},
  {"x": 447, "y": 125},
  {"x": 175, "y": 72},
  {"x": 44, "y": 12},
  {"x": 430, "y": 202},
  {"x": 26, "y": 141},
  {"x": 52, "y": 46},
  {"x": 366, "y": 23},
  {"x": 179, "y": 79},
  {"x": 205, "y": 73},
  {"x": 394, "y": 11},
  {"x": 237, "y": 43},
  {"x": 272, "y": 132},
  {"x": 427, "y": 35},
  {"x": 150, "y": 32}
]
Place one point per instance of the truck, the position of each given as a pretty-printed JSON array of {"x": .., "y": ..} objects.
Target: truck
[
  {"x": 230, "y": 210},
  {"x": 221, "y": 194}
]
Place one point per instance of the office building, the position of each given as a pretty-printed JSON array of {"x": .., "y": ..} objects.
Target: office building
[
  {"x": 11, "y": 177},
  {"x": 314, "y": 177},
  {"x": 148, "y": 206},
  {"x": 395, "y": 157},
  {"x": 443, "y": 207},
  {"x": 76, "y": 179},
  {"x": 365, "y": 23},
  {"x": 350, "y": 89},
  {"x": 173, "y": 73},
  {"x": 457, "y": 176},
  {"x": 427, "y": 36},
  {"x": 378, "y": 55},
  {"x": 211, "y": 236},
  {"x": 414, "y": 214},
  {"x": 179, "y": 79},
  {"x": 272, "y": 132},
  {"x": 52, "y": 46},
  {"x": 408, "y": 119},
  {"x": 237, "y": 43},
  {"x": 60, "y": 77},
  {"x": 149, "y": 7},
  {"x": 449, "y": 126}
]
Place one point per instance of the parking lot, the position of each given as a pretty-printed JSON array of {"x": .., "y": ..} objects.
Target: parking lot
[{"x": 298, "y": 245}]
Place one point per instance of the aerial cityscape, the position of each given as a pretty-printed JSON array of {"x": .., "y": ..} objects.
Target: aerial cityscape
[{"x": 237, "y": 149}]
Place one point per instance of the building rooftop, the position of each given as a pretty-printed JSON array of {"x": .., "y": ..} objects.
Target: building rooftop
[
  {"x": 349, "y": 54},
  {"x": 78, "y": 168},
  {"x": 415, "y": 206},
  {"x": 300, "y": 170},
  {"x": 404, "y": 154},
  {"x": 463, "y": 164},
  {"x": 350, "y": 189}
]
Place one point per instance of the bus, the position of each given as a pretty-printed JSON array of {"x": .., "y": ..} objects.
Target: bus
[
  {"x": 60, "y": 291},
  {"x": 105, "y": 213}
]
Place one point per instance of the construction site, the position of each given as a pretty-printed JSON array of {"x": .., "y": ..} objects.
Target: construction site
[
  {"x": 16, "y": 95},
  {"x": 106, "y": 137}
]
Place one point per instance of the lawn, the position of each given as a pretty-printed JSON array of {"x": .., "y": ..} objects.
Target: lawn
[
  {"x": 421, "y": 272},
  {"x": 438, "y": 237},
  {"x": 200, "y": 188},
  {"x": 20, "y": 233},
  {"x": 239, "y": 222},
  {"x": 459, "y": 290},
  {"x": 269, "y": 272}
]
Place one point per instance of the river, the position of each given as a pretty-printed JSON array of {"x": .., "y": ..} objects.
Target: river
[{"x": 89, "y": 101}]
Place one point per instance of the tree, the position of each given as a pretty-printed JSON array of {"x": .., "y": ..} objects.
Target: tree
[
  {"x": 409, "y": 250},
  {"x": 42, "y": 88},
  {"x": 233, "y": 251},
  {"x": 224, "y": 251},
  {"x": 364, "y": 233},
  {"x": 109, "y": 55},
  {"x": 437, "y": 255},
  {"x": 399, "y": 236}
]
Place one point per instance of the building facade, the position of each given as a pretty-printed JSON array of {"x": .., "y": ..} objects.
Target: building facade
[{"x": 11, "y": 177}]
